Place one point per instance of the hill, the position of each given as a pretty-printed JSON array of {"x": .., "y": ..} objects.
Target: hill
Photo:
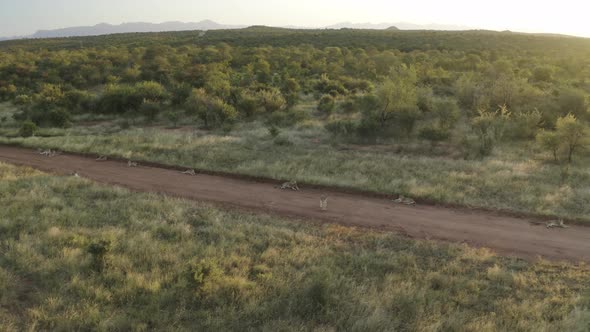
[{"x": 107, "y": 29}]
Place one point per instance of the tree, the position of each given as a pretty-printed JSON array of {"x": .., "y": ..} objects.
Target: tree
[
  {"x": 217, "y": 82},
  {"x": 152, "y": 91},
  {"x": 397, "y": 94},
  {"x": 573, "y": 101},
  {"x": 447, "y": 112},
  {"x": 262, "y": 71},
  {"x": 291, "y": 89},
  {"x": 212, "y": 110},
  {"x": 572, "y": 133},
  {"x": 489, "y": 127},
  {"x": 118, "y": 99},
  {"x": 50, "y": 96},
  {"x": 550, "y": 140}
]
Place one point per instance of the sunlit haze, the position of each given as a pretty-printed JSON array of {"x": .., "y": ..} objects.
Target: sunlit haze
[{"x": 567, "y": 16}]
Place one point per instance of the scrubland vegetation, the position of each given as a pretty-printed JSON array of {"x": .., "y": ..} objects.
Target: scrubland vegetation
[
  {"x": 481, "y": 119},
  {"x": 494, "y": 120},
  {"x": 78, "y": 256},
  {"x": 518, "y": 177}
]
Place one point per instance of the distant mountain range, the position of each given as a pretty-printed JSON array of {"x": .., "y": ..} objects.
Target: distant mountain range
[
  {"x": 106, "y": 29},
  {"x": 399, "y": 25}
]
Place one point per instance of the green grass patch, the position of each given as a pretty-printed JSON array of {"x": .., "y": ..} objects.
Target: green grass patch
[{"x": 516, "y": 178}]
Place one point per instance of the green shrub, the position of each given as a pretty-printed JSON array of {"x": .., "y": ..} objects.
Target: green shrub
[
  {"x": 59, "y": 118},
  {"x": 570, "y": 136},
  {"x": 99, "y": 250},
  {"x": 248, "y": 103},
  {"x": 348, "y": 106},
  {"x": 212, "y": 110},
  {"x": 150, "y": 110},
  {"x": 489, "y": 128},
  {"x": 369, "y": 129},
  {"x": 28, "y": 129},
  {"x": 203, "y": 274},
  {"x": 342, "y": 128},
  {"x": 524, "y": 125},
  {"x": 173, "y": 117},
  {"x": 273, "y": 131},
  {"x": 286, "y": 118},
  {"x": 23, "y": 100},
  {"x": 326, "y": 104},
  {"x": 272, "y": 100},
  {"x": 434, "y": 134}
]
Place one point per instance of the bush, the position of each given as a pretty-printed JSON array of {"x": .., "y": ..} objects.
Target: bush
[
  {"x": 524, "y": 125},
  {"x": 369, "y": 128},
  {"x": 286, "y": 118},
  {"x": 121, "y": 98},
  {"x": 489, "y": 128},
  {"x": 118, "y": 99},
  {"x": 99, "y": 250},
  {"x": 543, "y": 74},
  {"x": 213, "y": 111},
  {"x": 59, "y": 118},
  {"x": 550, "y": 141},
  {"x": 272, "y": 100},
  {"x": 328, "y": 86},
  {"x": 28, "y": 129},
  {"x": 202, "y": 275},
  {"x": 152, "y": 91},
  {"x": 248, "y": 103},
  {"x": 570, "y": 136},
  {"x": 326, "y": 104},
  {"x": 273, "y": 131},
  {"x": 23, "y": 100},
  {"x": 173, "y": 117},
  {"x": 150, "y": 110},
  {"x": 434, "y": 134},
  {"x": 406, "y": 119},
  {"x": 78, "y": 100},
  {"x": 179, "y": 93},
  {"x": 447, "y": 112},
  {"x": 348, "y": 106},
  {"x": 342, "y": 128}
]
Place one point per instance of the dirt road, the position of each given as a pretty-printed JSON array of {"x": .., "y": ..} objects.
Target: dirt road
[{"x": 506, "y": 235}]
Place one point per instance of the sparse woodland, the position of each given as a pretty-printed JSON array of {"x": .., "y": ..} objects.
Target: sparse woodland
[{"x": 475, "y": 86}]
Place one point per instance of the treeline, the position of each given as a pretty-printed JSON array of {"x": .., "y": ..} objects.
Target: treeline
[{"x": 382, "y": 84}]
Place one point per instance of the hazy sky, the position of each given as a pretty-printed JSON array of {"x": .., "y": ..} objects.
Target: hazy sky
[{"x": 20, "y": 17}]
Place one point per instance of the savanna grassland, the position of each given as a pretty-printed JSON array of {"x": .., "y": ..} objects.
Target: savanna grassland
[
  {"x": 475, "y": 118},
  {"x": 79, "y": 256}
]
